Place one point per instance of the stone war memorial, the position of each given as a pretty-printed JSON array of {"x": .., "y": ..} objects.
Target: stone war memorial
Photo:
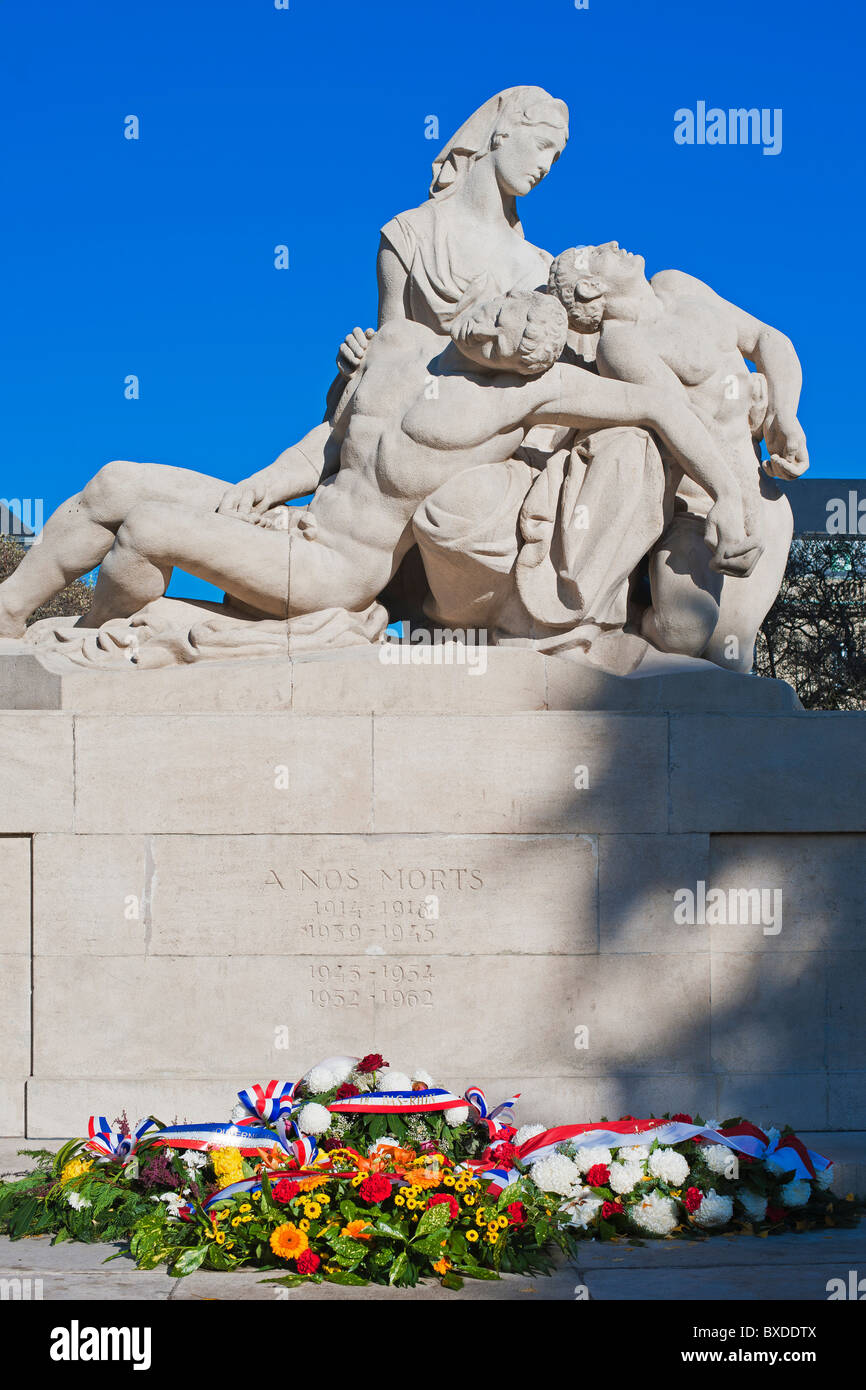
[{"x": 465, "y": 786}]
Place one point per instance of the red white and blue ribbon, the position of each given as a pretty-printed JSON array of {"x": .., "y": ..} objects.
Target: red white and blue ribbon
[
  {"x": 788, "y": 1152},
  {"x": 270, "y": 1102},
  {"x": 478, "y": 1100},
  {"x": 111, "y": 1144},
  {"x": 397, "y": 1102}
]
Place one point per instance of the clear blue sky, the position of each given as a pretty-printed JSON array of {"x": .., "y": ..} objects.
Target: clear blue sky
[{"x": 307, "y": 127}]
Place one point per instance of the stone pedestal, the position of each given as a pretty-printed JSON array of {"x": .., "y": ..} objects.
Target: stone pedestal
[{"x": 216, "y": 875}]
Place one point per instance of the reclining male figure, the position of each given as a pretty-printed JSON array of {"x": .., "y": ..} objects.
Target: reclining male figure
[
  {"x": 412, "y": 416},
  {"x": 674, "y": 333}
]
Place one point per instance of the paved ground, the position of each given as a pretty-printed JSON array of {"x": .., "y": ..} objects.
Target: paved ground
[{"x": 789, "y": 1267}]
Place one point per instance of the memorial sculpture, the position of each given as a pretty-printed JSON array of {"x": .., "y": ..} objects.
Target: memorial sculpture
[{"x": 570, "y": 451}]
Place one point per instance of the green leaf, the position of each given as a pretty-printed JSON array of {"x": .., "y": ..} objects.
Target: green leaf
[
  {"x": 390, "y": 1230},
  {"x": 344, "y": 1276},
  {"x": 189, "y": 1260},
  {"x": 433, "y": 1219},
  {"x": 349, "y": 1252},
  {"x": 476, "y": 1272},
  {"x": 398, "y": 1268},
  {"x": 288, "y": 1281},
  {"x": 452, "y": 1281}
]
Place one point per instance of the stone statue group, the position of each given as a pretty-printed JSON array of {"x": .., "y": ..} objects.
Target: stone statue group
[{"x": 558, "y": 451}]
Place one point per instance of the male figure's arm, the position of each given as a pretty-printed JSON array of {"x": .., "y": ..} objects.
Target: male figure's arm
[
  {"x": 774, "y": 355},
  {"x": 568, "y": 395},
  {"x": 296, "y": 471}
]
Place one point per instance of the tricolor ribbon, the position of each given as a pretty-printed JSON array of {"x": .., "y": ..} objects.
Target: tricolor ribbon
[
  {"x": 396, "y": 1102},
  {"x": 269, "y": 1103},
  {"x": 748, "y": 1139},
  {"x": 478, "y": 1100},
  {"x": 110, "y": 1144}
]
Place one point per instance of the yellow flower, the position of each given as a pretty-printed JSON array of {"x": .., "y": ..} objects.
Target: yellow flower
[
  {"x": 481, "y": 1215},
  {"x": 471, "y": 1235},
  {"x": 411, "y": 1203},
  {"x": 324, "y": 1199},
  {"x": 256, "y": 1196},
  {"x": 288, "y": 1241},
  {"x": 75, "y": 1168},
  {"x": 304, "y": 1225},
  {"x": 442, "y": 1266},
  {"x": 502, "y": 1223},
  {"x": 449, "y": 1180},
  {"x": 357, "y": 1230},
  {"x": 399, "y": 1201},
  {"x": 312, "y": 1209},
  {"x": 236, "y": 1221},
  {"x": 492, "y": 1237},
  {"x": 310, "y": 1184},
  {"x": 246, "y": 1207},
  {"x": 228, "y": 1165},
  {"x": 469, "y": 1199},
  {"x": 220, "y": 1237}
]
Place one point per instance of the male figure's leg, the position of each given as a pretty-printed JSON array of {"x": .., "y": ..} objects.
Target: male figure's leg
[
  {"x": 79, "y": 535},
  {"x": 249, "y": 562},
  {"x": 686, "y": 592}
]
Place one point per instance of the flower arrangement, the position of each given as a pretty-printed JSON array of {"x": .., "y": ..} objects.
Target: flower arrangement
[{"x": 362, "y": 1173}]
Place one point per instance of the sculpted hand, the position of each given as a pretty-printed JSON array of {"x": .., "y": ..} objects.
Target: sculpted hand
[
  {"x": 786, "y": 441},
  {"x": 246, "y": 499},
  {"x": 352, "y": 350},
  {"x": 736, "y": 553}
]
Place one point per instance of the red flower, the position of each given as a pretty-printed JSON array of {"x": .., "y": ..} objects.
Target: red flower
[
  {"x": 516, "y": 1214},
  {"x": 308, "y": 1262},
  {"x": 775, "y": 1215},
  {"x": 693, "y": 1199},
  {"x": 686, "y": 1119},
  {"x": 372, "y": 1062},
  {"x": 284, "y": 1190},
  {"x": 504, "y": 1153},
  {"x": 609, "y": 1209},
  {"x": 505, "y": 1132},
  {"x": 346, "y": 1091},
  {"x": 375, "y": 1188},
  {"x": 439, "y": 1197},
  {"x": 598, "y": 1175}
]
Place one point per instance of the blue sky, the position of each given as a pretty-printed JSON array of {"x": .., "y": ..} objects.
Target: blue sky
[{"x": 306, "y": 127}]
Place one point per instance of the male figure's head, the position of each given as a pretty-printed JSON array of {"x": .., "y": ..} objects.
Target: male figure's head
[
  {"x": 521, "y": 332},
  {"x": 591, "y": 281}
]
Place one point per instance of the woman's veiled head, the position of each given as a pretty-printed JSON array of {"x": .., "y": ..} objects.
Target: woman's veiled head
[{"x": 524, "y": 130}]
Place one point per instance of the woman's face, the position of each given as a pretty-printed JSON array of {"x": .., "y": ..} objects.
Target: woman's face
[{"x": 525, "y": 155}]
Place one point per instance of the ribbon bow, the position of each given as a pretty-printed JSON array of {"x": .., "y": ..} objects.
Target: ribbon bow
[
  {"x": 478, "y": 1100},
  {"x": 268, "y": 1103},
  {"x": 112, "y": 1145}
]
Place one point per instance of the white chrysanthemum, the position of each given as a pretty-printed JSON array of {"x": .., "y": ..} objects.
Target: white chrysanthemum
[
  {"x": 585, "y": 1209},
  {"x": 423, "y": 1077},
  {"x": 633, "y": 1153},
  {"x": 320, "y": 1079},
  {"x": 555, "y": 1173},
  {"x": 77, "y": 1202},
  {"x": 669, "y": 1166},
  {"x": 314, "y": 1119},
  {"x": 714, "y": 1210},
  {"x": 586, "y": 1158},
  {"x": 192, "y": 1160},
  {"x": 718, "y": 1159},
  {"x": 389, "y": 1079},
  {"x": 824, "y": 1178},
  {"x": 527, "y": 1132},
  {"x": 655, "y": 1213},
  {"x": 624, "y": 1177},
  {"x": 753, "y": 1204},
  {"x": 457, "y": 1115},
  {"x": 796, "y": 1193}
]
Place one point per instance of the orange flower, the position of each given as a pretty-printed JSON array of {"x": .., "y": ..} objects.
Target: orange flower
[
  {"x": 424, "y": 1177},
  {"x": 403, "y": 1157},
  {"x": 357, "y": 1230},
  {"x": 442, "y": 1266},
  {"x": 310, "y": 1184},
  {"x": 288, "y": 1241}
]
